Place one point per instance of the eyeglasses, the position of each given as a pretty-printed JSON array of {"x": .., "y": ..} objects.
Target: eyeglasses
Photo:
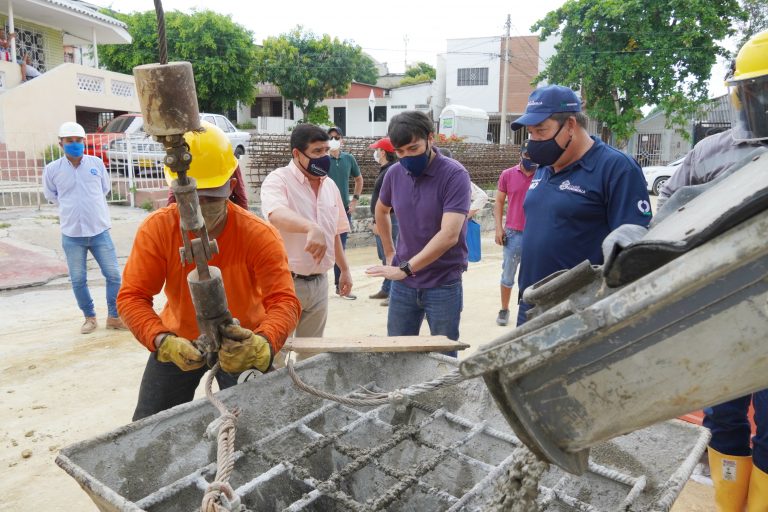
[{"x": 335, "y": 137}]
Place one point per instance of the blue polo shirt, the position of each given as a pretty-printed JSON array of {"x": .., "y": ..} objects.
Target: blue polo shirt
[
  {"x": 419, "y": 204},
  {"x": 568, "y": 214}
]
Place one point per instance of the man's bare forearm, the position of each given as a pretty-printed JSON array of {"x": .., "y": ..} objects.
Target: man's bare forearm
[{"x": 289, "y": 221}]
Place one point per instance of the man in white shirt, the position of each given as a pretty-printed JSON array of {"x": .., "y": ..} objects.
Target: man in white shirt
[
  {"x": 306, "y": 207},
  {"x": 78, "y": 184}
]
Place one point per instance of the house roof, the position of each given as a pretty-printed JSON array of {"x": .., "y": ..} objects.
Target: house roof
[
  {"x": 76, "y": 19},
  {"x": 716, "y": 110},
  {"x": 420, "y": 84}
]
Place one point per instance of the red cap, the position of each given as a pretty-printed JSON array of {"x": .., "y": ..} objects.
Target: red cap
[{"x": 384, "y": 144}]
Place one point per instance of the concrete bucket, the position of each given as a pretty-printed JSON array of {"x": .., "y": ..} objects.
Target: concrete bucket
[
  {"x": 448, "y": 450},
  {"x": 674, "y": 322}
]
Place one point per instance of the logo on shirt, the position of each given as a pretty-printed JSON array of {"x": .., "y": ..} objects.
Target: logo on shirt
[
  {"x": 94, "y": 172},
  {"x": 644, "y": 207},
  {"x": 566, "y": 185},
  {"x": 534, "y": 184}
]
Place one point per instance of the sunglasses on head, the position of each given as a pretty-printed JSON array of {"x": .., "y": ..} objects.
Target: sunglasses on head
[{"x": 335, "y": 137}]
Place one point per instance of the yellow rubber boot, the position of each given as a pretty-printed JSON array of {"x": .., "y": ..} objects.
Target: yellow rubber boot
[
  {"x": 730, "y": 476},
  {"x": 758, "y": 491}
]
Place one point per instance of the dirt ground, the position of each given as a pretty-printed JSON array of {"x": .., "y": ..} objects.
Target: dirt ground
[{"x": 58, "y": 386}]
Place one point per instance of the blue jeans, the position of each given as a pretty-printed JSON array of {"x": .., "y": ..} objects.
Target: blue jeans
[
  {"x": 522, "y": 309},
  {"x": 513, "y": 247},
  {"x": 385, "y": 286},
  {"x": 343, "y": 236},
  {"x": 730, "y": 428},
  {"x": 165, "y": 385},
  {"x": 441, "y": 305},
  {"x": 76, "y": 250}
]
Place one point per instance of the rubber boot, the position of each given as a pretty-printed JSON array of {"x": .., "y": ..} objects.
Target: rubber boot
[
  {"x": 758, "y": 491},
  {"x": 730, "y": 476}
]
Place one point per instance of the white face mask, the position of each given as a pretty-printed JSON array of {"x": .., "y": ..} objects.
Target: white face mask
[
  {"x": 376, "y": 155},
  {"x": 334, "y": 144}
]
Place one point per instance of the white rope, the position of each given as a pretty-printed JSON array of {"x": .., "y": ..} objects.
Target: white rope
[{"x": 219, "y": 497}]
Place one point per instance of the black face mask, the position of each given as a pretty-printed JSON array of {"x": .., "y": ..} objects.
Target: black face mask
[
  {"x": 318, "y": 166},
  {"x": 547, "y": 152}
]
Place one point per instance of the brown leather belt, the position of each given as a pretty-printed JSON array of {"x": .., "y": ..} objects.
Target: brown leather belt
[{"x": 310, "y": 277}]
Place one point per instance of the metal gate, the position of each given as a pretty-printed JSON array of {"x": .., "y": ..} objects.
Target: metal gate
[
  {"x": 648, "y": 149},
  {"x": 24, "y": 155}
]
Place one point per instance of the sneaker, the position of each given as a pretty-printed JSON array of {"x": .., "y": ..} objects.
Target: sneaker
[
  {"x": 89, "y": 325},
  {"x": 385, "y": 302},
  {"x": 503, "y": 318},
  {"x": 381, "y": 294},
  {"x": 115, "y": 323}
]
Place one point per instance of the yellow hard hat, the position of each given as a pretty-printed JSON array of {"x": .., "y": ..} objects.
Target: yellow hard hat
[
  {"x": 752, "y": 59},
  {"x": 748, "y": 90},
  {"x": 213, "y": 160}
]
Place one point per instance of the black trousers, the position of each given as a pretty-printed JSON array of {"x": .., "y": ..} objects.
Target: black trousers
[{"x": 165, "y": 385}]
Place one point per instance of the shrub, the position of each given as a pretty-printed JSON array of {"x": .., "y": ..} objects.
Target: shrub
[{"x": 51, "y": 153}]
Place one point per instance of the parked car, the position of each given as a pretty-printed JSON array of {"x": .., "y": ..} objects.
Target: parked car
[
  {"x": 97, "y": 144},
  {"x": 657, "y": 175},
  {"x": 238, "y": 139},
  {"x": 147, "y": 154}
]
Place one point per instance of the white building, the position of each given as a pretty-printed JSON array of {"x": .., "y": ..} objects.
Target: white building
[
  {"x": 65, "y": 91},
  {"x": 414, "y": 97},
  {"x": 470, "y": 73},
  {"x": 352, "y": 112}
]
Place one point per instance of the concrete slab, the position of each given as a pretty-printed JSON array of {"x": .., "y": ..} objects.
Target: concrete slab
[{"x": 22, "y": 265}]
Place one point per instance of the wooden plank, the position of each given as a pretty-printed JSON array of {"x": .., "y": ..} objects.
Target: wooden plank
[{"x": 373, "y": 344}]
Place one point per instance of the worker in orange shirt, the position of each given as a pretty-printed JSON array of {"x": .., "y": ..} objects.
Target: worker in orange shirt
[{"x": 254, "y": 268}]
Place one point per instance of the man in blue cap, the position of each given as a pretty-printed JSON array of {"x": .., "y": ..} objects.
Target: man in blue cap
[{"x": 582, "y": 190}]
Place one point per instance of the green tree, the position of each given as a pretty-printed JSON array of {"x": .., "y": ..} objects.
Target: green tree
[
  {"x": 755, "y": 22},
  {"x": 319, "y": 116},
  {"x": 221, "y": 52},
  {"x": 307, "y": 68},
  {"x": 366, "y": 71},
  {"x": 418, "y": 73},
  {"x": 624, "y": 54}
]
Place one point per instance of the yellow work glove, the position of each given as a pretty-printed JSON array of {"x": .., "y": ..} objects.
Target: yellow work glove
[
  {"x": 242, "y": 350},
  {"x": 181, "y": 352}
]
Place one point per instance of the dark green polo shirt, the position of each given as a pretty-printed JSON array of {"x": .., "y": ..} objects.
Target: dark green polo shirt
[{"x": 341, "y": 169}]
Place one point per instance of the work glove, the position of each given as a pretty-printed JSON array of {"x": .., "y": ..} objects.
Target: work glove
[
  {"x": 181, "y": 352},
  {"x": 242, "y": 350},
  {"x": 619, "y": 239}
]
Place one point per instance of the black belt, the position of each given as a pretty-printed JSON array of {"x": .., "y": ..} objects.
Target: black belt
[{"x": 310, "y": 277}]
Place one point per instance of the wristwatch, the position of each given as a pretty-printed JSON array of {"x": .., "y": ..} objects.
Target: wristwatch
[
  {"x": 406, "y": 267},
  {"x": 356, "y": 196}
]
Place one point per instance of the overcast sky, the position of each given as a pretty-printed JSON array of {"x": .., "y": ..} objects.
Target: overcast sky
[{"x": 381, "y": 27}]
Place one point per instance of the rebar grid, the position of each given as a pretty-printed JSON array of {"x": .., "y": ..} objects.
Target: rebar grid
[{"x": 407, "y": 482}]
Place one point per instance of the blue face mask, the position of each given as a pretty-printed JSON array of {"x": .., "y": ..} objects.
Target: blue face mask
[
  {"x": 528, "y": 164},
  {"x": 416, "y": 164},
  {"x": 319, "y": 166},
  {"x": 547, "y": 152},
  {"x": 74, "y": 149}
]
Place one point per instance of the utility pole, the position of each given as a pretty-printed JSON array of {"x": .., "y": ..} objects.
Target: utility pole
[
  {"x": 503, "y": 127},
  {"x": 405, "y": 60}
]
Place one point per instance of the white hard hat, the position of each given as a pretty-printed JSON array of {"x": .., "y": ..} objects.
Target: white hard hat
[{"x": 71, "y": 129}]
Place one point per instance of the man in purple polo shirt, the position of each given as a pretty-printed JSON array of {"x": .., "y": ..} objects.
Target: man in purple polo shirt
[
  {"x": 430, "y": 195},
  {"x": 513, "y": 185}
]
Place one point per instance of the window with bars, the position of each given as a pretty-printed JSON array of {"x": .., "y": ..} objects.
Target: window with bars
[
  {"x": 379, "y": 114},
  {"x": 31, "y": 42},
  {"x": 471, "y": 76}
]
